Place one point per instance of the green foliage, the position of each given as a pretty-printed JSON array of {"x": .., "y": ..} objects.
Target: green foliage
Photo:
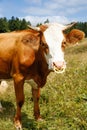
[
  {"x": 13, "y": 24},
  {"x": 20, "y": 24},
  {"x": 24, "y": 24},
  {"x": 63, "y": 101},
  {"x": 47, "y": 21},
  {"x": 17, "y": 24},
  {"x": 38, "y": 24},
  {"x": 3, "y": 25}
]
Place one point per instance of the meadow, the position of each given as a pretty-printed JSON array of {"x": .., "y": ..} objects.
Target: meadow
[{"x": 63, "y": 101}]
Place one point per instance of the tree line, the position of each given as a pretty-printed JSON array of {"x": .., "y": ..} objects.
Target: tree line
[
  {"x": 13, "y": 24},
  {"x": 20, "y": 24}
]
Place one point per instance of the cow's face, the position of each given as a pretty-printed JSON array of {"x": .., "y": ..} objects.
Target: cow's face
[
  {"x": 55, "y": 40},
  {"x": 55, "y": 56}
]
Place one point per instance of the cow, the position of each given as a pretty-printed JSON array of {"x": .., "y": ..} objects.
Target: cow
[{"x": 31, "y": 55}]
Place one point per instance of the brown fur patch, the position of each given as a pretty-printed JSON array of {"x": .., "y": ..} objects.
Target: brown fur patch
[
  {"x": 74, "y": 36},
  {"x": 31, "y": 41}
]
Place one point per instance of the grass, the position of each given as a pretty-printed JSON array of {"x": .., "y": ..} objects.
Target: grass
[{"x": 63, "y": 101}]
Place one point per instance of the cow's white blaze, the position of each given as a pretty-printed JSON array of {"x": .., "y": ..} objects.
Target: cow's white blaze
[{"x": 54, "y": 37}]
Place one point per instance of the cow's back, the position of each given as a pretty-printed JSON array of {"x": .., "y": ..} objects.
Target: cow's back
[{"x": 7, "y": 45}]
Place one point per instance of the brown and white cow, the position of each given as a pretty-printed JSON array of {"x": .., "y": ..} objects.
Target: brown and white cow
[{"x": 32, "y": 54}]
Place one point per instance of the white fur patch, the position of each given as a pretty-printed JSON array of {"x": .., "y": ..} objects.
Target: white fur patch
[{"x": 54, "y": 37}]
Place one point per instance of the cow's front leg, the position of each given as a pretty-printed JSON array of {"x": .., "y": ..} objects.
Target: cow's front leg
[
  {"x": 36, "y": 96},
  {"x": 19, "y": 92}
]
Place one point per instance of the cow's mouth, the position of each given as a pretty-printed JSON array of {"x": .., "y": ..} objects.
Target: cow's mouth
[{"x": 58, "y": 69}]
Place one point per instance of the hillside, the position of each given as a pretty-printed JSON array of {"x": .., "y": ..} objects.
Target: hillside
[{"x": 63, "y": 99}]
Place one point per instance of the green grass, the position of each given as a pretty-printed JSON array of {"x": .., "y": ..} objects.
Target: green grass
[{"x": 63, "y": 101}]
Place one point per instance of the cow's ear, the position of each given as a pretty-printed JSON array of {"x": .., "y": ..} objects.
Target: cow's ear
[{"x": 74, "y": 36}]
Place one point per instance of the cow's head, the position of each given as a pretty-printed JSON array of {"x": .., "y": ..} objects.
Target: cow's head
[{"x": 55, "y": 40}]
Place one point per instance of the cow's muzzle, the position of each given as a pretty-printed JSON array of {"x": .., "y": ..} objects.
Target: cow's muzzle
[{"x": 59, "y": 67}]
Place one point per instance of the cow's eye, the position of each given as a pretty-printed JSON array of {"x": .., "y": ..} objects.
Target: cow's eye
[
  {"x": 63, "y": 45},
  {"x": 64, "y": 42},
  {"x": 44, "y": 45}
]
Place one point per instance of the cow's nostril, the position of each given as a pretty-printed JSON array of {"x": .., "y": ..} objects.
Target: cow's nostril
[
  {"x": 59, "y": 64},
  {"x": 59, "y": 67}
]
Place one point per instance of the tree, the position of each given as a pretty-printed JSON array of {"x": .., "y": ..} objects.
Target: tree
[
  {"x": 47, "y": 21},
  {"x": 24, "y": 24},
  {"x": 3, "y": 25},
  {"x": 14, "y": 24},
  {"x": 38, "y": 24}
]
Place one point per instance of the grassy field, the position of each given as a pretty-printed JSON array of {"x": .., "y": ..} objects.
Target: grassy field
[{"x": 63, "y": 101}]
